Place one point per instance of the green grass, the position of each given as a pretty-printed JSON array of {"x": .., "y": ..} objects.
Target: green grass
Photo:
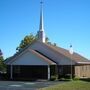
[{"x": 72, "y": 85}]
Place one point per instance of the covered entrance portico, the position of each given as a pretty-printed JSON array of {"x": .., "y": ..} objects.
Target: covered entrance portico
[
  {"x": 34, "y": 72},
  {"x": 29, "y": 65}
]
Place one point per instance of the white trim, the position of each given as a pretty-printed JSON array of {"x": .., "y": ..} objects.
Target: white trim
[
  {"x": 84, "y": 62},
  {"x": 11, "y": 72},
  {"x": 48, "y": 72}
]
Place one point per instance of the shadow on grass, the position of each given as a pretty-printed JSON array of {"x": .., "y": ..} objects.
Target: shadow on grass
[{"x": 86, "y": 79}]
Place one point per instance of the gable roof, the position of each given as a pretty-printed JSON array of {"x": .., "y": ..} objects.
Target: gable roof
[
  {"x": 75, "y": 57},
  {"x": 12, "y": 59},
  {"x": 17, "y": 53}
]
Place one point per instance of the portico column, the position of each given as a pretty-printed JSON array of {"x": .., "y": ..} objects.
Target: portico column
[
  {"x": 48, "y": 72},
  {"x": 11, "y": 72}
]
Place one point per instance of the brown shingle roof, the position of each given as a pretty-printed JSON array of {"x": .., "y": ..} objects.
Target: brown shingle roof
[{"x": 76, "y": 57}]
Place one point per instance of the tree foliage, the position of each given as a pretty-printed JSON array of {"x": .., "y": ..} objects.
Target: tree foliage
[
  {"x": 27, "y": 40},
  {"x": 47, "y": 40},
  {"x": 2, "y": 65}
]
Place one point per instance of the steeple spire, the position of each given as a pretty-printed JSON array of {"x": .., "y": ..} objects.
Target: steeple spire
[
  {"x": 41, "y": 33},
  {"x": 41, "y": 28}
]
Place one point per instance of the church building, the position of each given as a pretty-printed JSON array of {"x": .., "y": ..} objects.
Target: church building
[{"x": 40, "y": 60}]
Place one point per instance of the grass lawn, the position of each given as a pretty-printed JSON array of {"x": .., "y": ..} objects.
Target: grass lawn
[{"x": 72, "y": 85}]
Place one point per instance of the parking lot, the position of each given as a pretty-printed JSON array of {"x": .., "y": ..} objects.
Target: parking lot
[{"x": 24, "y": 85}]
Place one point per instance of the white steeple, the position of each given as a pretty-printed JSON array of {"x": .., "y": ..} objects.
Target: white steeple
[
  {"x": 41, "y": 28},
  {"x": 41, "y": 33}
]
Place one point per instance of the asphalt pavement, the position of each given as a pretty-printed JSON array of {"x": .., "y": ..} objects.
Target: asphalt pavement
[{"x": 26, "y": 85}]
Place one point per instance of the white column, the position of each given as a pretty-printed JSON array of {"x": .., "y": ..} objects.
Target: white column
[
  {"x": 48, "y": 72},
  {"x": 11, "y": 72}
]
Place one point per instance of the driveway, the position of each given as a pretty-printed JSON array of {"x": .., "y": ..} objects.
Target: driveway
[{"x": 24, "y": 85}]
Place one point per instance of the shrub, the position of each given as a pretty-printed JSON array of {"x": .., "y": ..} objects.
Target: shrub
[
  {"x": 54, "y": 77},
  {"x": 76, "y": 78}
]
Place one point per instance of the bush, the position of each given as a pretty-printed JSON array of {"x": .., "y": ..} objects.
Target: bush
[
  {"x": 76, "y": 78},
  {"x": 54, "y": 77}
]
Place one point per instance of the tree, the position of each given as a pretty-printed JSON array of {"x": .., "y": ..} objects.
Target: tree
[
  {"x": 55, "y": 44},
  {"x": 27, "y": 40},
  {"x": 2, "y": 65},
  {"x": 47, "y": 40}
]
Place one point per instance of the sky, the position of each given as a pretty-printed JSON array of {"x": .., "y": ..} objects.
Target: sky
[{"x": 65, "y": 22}]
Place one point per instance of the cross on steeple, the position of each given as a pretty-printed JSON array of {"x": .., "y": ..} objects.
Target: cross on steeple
[{"x": 41, "y": 2}]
